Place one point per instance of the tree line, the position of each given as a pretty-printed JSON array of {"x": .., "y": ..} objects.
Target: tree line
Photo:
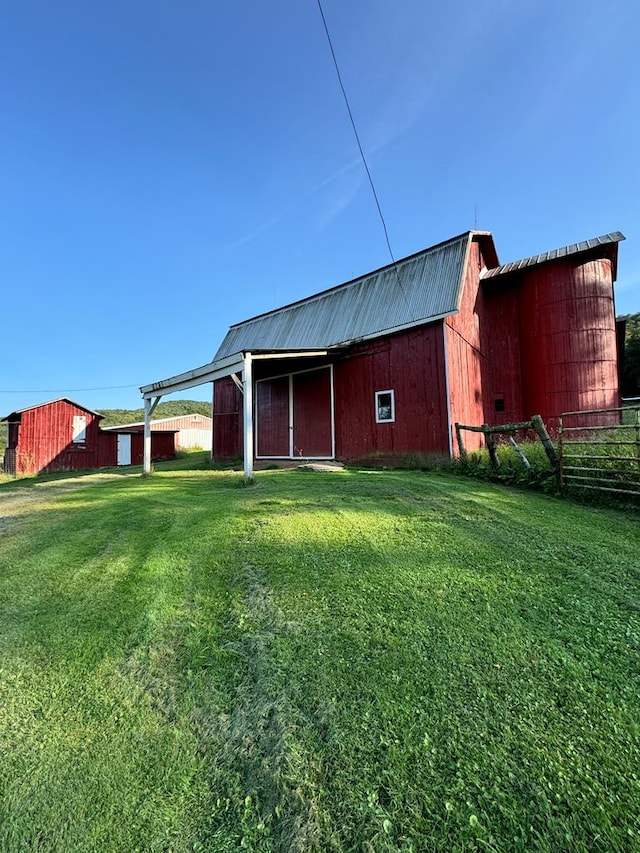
[
  {"x": 630, "y": 375},
  {"x": 170, "y": 409}
]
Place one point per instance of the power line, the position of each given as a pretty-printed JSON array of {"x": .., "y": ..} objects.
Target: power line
[
  {"x": 68, "y": 390},
  {"x": 355, "y": 131},
  {"x": 365, "y": 164}
]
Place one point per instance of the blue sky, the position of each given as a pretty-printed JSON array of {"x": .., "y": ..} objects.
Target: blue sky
[{"x": 167, "y": 169}]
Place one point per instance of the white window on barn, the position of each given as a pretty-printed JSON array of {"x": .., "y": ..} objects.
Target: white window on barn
[
  {"x": 79, "y": 429},
  {"x": 385, "y": 407}
]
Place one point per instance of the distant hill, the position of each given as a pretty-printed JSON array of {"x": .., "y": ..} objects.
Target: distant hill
[{"x": 170, "y": 409}]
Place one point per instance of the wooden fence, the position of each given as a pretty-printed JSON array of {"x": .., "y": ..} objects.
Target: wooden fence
[
  {"x": 599, "y": 450},
  {"x": 536, "y": 424}
]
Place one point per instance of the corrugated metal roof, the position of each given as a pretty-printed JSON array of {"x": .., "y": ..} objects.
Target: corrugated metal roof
[
  {"x": 410, "y": 292},
  {"x": 554, "y": 254}
]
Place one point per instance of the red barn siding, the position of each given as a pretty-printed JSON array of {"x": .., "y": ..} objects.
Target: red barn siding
[
  {"x": 272, "y": 417},
  {"x": 163, "y": 446},
  {"x": 44, "y": 439},
  {"x": 310, "y": 391},
  {"x": 568, "y": 334},
  {"x": 227, "y": 420},
  {"x": 412, "y": 365},
  {"x": 465, "y": 357},
  {"x": 312, "y": 413},
  {"x": 500, "y": 339}
]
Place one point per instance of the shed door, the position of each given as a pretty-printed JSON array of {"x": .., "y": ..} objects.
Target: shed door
[{"x": 124, "y": 449}]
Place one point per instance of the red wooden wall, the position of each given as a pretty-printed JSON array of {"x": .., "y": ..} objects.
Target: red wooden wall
[
  {"x": 163, "y": 446},
  {"x": 464, "y": 353},
  {"x": 412, "y": 365},
  {"x": 500, "y": 345},
  {"x": 227, "y": 420},
  {"x": 44, "y": 439}
]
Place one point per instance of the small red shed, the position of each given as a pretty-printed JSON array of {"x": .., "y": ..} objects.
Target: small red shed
[{"x": 62, "y": 435}]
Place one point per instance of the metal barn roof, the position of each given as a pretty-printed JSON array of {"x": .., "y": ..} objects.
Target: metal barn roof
[
  {"x": 555, "y": 254},
  {"x": 415, "y": 290}
]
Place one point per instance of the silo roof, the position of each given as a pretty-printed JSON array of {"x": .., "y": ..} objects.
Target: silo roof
[{"x": 606, "y": 241}]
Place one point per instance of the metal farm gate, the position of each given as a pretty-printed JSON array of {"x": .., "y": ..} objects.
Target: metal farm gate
[{"x": 599, "y": 450}]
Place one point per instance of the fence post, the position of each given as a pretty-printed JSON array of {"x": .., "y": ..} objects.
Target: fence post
[
  {"x": 638, "y": 435},
  {"x": 538, "y": 424},
  {"x": 463, "y": 452},
  {"x": 560, "y": 468},
  {"x": 491, "y": 447}
]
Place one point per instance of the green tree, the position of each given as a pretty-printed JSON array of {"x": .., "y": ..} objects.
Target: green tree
[{"x": 631, "y": 363}]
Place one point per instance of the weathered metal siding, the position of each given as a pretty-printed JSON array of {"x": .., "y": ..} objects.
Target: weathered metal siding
[
  {"x": 182, "y": 422},
  {"x": 227, "y": 420},
  {"x": 412, "y": 365},
  {"x": 45, "y": 439},
  {"x": 568, "y": 338},
  {"x": 410, "y": 292}
]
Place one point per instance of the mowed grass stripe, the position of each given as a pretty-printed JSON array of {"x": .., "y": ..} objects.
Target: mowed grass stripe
[{"x": 356, "y": 661}]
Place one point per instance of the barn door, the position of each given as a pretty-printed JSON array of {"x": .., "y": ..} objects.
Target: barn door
[
  {"x": 124, "y": 449},
  {"x": 272, "y": 416},
  {"x": 294, "y": 415},
  {"x": 312, "y": 427}
]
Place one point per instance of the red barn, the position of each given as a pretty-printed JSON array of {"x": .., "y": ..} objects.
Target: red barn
[
  {"x": 386, "y": 364},
  {"x": 64, "y": 436}
]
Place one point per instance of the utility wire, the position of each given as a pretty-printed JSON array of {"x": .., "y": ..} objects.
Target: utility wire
[
  {"x": 355, "y": 131},
  {"x": 68, "y": 390},
  {"x": 366, "y": 165}
]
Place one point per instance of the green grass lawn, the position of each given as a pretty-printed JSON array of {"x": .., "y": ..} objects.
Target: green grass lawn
[{"x": 355, "y": 661}]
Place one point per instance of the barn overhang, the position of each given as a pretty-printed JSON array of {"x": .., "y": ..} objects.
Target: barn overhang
[{"x": 240, "y": 364}]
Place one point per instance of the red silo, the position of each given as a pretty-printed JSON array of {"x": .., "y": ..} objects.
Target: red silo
[{"x": 568, "y": 338}]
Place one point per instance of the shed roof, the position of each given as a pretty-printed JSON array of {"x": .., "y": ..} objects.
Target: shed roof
[
  {"x": 415, "y": 290},
  {"x": 12, "y": 415},
  {"x": 606, "y": 241}
]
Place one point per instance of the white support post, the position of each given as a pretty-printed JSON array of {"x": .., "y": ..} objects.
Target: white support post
[
  {"x": 247, "y": 399},
  {"x": 149, "y": 408}
]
